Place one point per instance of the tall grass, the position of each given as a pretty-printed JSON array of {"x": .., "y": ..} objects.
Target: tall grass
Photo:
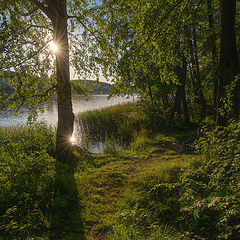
[
  {"x": 149, "y": 204},
  {"x": 119, "y": 121}
]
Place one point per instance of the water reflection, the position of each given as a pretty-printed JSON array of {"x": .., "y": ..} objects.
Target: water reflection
[{"x": 80, "y": 104}]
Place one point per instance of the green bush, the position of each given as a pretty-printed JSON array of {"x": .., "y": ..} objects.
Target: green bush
[
  {"x": 35, "y": 137},
  {"x": 26, "y": 193},
  {"x": 210, "y": 195},
  {"x": 27, "y": 175}
]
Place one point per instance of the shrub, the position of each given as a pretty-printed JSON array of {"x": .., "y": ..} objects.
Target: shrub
[
  {"x": 210, "y": 196},
  {"x": 27, "y": 175},
  {"x": 35, "y": 137},
  {"x": 26, "y": 192}
]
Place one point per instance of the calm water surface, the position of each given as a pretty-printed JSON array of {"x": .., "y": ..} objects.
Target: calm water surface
[{"x": 80, "y": 104}]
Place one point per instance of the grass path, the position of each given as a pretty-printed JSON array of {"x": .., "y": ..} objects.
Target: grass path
[{"x": 102, "y": 190}]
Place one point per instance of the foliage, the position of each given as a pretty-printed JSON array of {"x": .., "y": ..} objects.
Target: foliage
[
  {"x": 27, "y": 180},
  {"x": 210, "y": 194},
  {"x": 156, "y": 194},
  {"x": 199, "y": 198},
  {"x": 37, "y": 195},
  {"x": 147, "y": 41},
  {"x": 33, "y": 70},
  {"x": 35, "y": 137},
  {"x": 26, "y": 56}
]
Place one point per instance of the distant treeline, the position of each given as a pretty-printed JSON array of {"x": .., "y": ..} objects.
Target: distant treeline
[{"x": 91, "y": 86}]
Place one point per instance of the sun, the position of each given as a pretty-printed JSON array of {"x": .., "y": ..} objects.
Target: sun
[
  {"x": 53, "y": 46},
  {"x": 72, "y": 139}
]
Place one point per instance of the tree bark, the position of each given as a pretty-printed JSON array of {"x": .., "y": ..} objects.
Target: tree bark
[
  {"x": 56, "y": 11},
  {"x": 214, "y": 54},
  {"x": 202, "y": 100},
  {"x": 65, "y": 112},
  {"x": 228, "y": 65},
  {"x": 180, "y": 96}
]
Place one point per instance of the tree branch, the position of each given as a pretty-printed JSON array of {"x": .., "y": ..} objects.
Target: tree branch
[
  {"x": 29, "y": 57},
  {"x": 42, "y": 8},
  {"x": 45, "y": 93},
  {"x": 39, "y": 26},
  {"x": 89, "y": 30},
  {"x": 30, "y": 12}
]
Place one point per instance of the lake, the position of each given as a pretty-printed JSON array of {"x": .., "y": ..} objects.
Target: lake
[{"x": 80, "y": 104}]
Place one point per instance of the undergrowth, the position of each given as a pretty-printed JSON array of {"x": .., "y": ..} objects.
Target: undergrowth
[
  {"x": 199, "y": 199},
  {"x": 36, "y": 193},
  {"x": 26, "y": 180},
  {"x": 151, "y": 190}
]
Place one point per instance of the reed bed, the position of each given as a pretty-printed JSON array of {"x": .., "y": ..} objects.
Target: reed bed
[{"x": 117, "y": 122}]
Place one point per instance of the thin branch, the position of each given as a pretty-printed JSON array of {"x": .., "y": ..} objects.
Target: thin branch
[
  {"x": 89, "y": 30},
  {"x": 42, "y": 8},
  {"x": 39, "y": 26},
  {"x": 30, "y": 12},
  {"x": 29, "y": 57}
]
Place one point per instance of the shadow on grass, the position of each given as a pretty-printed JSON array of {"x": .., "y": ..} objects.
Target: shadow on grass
[{"x": 66, "y": 218}]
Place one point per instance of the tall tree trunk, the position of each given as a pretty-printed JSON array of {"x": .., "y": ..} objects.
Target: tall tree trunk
[
  {"x": 150, "y": 91},
  {"x": 195, "y": 70},
  {"x": 214, "y": 55},
  {"x": 183, "y": 77},
  {"x": 56, "y": 11},
  {"x": 176, "y": 104},
  {"x": 228, "y": 65},
  {"x": 202, "y": 100},
  {"x": 180, "y": 96},
  {"x": 65, "y": 112}
]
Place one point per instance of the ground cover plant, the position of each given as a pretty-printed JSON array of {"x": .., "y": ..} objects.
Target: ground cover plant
[
  {"x": 168, "y": 193},
  {"x": 155, "y": 189}
]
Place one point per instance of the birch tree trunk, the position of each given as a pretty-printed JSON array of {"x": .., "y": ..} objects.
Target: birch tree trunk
[{"x": 65, "y": 112}]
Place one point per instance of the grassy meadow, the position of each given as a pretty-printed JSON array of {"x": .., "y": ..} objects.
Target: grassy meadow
[{"x": 171, "y": 183}]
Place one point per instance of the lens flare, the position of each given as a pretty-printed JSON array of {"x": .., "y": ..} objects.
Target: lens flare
[
  {"x": 72, "y": 139},
  {"x": 53, "y": 46}
]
